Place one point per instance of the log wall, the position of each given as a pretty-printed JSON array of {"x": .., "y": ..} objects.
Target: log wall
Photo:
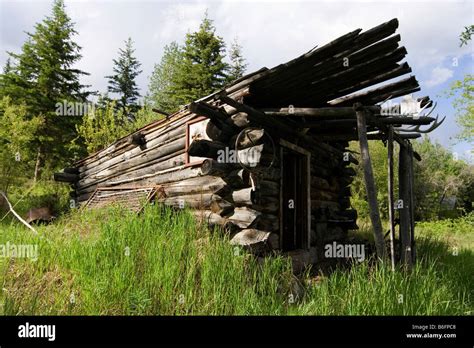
[{"x": 242, "y": 202}]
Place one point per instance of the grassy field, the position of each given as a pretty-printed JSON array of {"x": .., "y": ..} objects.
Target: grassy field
[{"x": 111, "y": 262}]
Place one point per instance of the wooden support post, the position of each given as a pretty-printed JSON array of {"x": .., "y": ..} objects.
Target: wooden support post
[
  {"x": 369, "y": 180},
  {"x": 391, "y": 212},
  {"x": 404, "y": 211},
  {"x": 412, "y": 204}
]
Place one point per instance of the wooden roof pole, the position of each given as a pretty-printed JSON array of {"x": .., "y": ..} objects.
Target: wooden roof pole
[{"x": 370, "y": 186}]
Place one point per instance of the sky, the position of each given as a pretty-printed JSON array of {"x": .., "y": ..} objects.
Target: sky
[{"x": 271, "y": 33}]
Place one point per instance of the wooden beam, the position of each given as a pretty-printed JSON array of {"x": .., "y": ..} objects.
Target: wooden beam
[
  {"x": 412, "y": 203},
  {"x": 66, "y": 177},
  {"x": 323, "y": 113},
  {"x": 205, "y": 148},
  {"x": 391, "y": 206},
  {"x": 218, "y": 117},
  {"x": 404, "y": 211},
  {"x": 369, "y": 180},
  {"x": 392, "y": 89}
]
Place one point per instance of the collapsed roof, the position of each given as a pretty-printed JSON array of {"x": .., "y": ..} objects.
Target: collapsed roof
[{"x": 355, "y": 68}]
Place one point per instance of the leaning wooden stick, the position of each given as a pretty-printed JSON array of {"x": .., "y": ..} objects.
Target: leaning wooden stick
[
  {"x": 16, "y": 214},
  {"x": 369, "y": 180},
  {"x": 391, "y": 213}
]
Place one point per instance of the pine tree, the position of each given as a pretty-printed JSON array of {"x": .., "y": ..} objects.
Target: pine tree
[
  {"x": 122, "y": 82},
  {"x": 238, "y": 64},
  {"x": 203, "y": 69},
  {"x": 161, "y": 87},
  {"x": 43, "y": 75}
]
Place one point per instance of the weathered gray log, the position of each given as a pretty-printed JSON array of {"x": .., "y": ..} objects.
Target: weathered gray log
[
  {"x": 244, "y": 196},
  {"x": 161, "y": 177},
  {"x": 324, "y": 125},
  {"x": 66, "y": 177},
  {"x": 251, "y": 156},
  {"x": 240, "y": 119},
  {"x": 221, "y": 206},
  {"x": 161, "y": 133},
  {"x": 255, "y": 240},
  {"x": 327, "y": 113},
  {"x": 72, "y": 170},
  {"x": 238, "y": 178},
  {"x": 244, "y": 217},
  {"x": 141, "y": 168},
  {"x": 131, "y": 154},
  {"x": 206, "y": 148},
  {"x": 212, "y": 167},
  {"x": 157, "y": 155},
  {"x": 273, "y": 124},
  {"x": 212, "y": 219},
  {"x": 200, "y": 184},
  {"x": 250, "y": 138},
  {"x": 137, "y": 139},
  {"x": 217, "y": 116},
  {"x": 368, "y": 96},
  {"x": 369, "y": 180},
  {"x": 195, "y": 201}
]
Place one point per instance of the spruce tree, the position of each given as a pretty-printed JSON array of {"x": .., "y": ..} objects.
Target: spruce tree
[
  {"x": 44, "y": 74},
  {"x": 122, "y": 82},
  {"x": 203, "y": 69},
  {"x": 238, "y": 64}
]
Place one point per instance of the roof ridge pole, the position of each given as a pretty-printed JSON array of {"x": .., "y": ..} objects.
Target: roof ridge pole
[{"x": 370, "y": 186}]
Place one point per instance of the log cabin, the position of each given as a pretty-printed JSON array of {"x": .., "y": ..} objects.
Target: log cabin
[{"x": 266, "y": 158}]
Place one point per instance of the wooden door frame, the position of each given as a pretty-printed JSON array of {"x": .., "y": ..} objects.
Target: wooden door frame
[{"x": 307, "y": 155}]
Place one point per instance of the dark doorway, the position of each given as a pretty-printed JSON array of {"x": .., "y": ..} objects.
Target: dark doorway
[{"x": 295, "y": 200}]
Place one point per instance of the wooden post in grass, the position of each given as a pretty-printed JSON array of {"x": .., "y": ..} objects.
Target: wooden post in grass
[
  {"x": 404, "y": 210},
  {"x": 370, "y": 186},
  {"x": 391, "y": 212},
  {"x": 412, "y": 204}
]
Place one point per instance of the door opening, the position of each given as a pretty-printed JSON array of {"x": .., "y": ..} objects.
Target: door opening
[{"x": 295, "y": 200}]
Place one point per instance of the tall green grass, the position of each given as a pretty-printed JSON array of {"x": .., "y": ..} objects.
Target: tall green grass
[{"x": 111, "y": 262}]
